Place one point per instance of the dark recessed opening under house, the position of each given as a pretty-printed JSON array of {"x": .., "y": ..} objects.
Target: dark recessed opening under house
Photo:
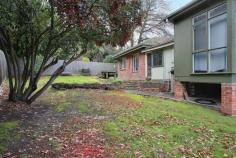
[{"x": 203, "y": 93}]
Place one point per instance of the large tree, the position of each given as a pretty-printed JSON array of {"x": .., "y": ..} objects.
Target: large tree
[
  {"x": 153, "y": 23},
  {"x": 99, "y": 53},
  {"x": 49, "y": 28}
]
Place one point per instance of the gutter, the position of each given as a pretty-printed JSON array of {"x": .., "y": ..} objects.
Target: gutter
[
  {"x": 158, "y": 47},
  {"x": 185, "y": 9},
  {"x": 130, "y": 51}
]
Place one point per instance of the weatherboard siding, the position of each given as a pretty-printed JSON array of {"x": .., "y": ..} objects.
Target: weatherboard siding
[
  {"x": 164, "y": 72},
  {"x": 184, "y": 47}
]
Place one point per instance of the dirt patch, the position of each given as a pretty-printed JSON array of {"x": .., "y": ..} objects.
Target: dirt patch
[
  {"x": 12, "y": 110},
  {"x": 89, "y": 143},
  {"x": 46, "y": 133}
]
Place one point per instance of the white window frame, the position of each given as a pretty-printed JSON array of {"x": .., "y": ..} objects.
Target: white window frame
[
  {"x": 208, "y": 49},
  {"x": 135, "y": 63},
  {"x": 123, "y": 63},
  {"x": 162, "y": 59}
]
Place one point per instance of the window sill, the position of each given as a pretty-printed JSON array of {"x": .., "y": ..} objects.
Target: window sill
[
  {"x": 157, "y": 66},
  {"x": 122, "y": 69},
  {"x": 212, "y": 73},
  {"x": 135, "y": 72}
]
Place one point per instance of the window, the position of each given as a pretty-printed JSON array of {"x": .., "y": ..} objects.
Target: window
[
  {"x": 157, "y": 59},
  {"x": 200, "y": 31},
  {"x": 123, "y": 63},
  {"x": 200, "y": 62},
  {"x": 218, "y": 32},
  {"x": 210, "y": 41},
  {"x": 218, "y": 60},
  {"x": 135, "y": 63}
]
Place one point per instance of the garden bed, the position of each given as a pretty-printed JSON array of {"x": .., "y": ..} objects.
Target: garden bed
[{"x": 64, "y": 86}]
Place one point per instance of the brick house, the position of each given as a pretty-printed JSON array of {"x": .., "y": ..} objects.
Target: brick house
[
  {"x": 205, "y": 51},
  {"x": 150, "y": 60}
]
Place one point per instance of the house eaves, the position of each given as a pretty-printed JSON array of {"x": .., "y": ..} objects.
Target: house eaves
[
  {"x": 159, "y": 47},
  {"x": 130, "y": 50},
  {"x": 185, "y": 9}
]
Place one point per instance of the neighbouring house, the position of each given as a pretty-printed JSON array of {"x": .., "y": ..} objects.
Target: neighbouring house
[
  {"x": 151, "y": 60},
  {"x": 205, "y": 51}
]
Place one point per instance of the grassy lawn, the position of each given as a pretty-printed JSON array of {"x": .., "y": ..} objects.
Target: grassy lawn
[
  {"x": 117, "y": 124},
  {"x": 175, "y": 128},
  {"x": 71, "y": 79}
]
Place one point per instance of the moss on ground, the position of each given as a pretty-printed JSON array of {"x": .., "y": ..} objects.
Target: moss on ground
[
  {"x": 7, "y": 134},
  {"x": 81, "y": 107}
]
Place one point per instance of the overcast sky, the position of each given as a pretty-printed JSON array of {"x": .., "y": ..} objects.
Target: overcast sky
[{"x": 176, "y": 4}]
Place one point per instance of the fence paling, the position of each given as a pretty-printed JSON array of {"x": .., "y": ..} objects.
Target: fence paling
[
  {"x": 76, "y": 67},
  {"x": 3, "y": 67}
]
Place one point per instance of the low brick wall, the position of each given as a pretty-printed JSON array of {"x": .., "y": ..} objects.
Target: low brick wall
[
  {"x": 228, "y": 98},
  {"x": 145, "y": 86},
  {"x": 179, "y": 90}
]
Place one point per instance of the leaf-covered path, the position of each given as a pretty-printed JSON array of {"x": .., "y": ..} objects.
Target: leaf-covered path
[{"x": 97, "y": 123}]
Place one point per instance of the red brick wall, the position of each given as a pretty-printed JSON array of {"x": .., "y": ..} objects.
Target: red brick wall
[
  {"x": 179, "y": 90},
  {"x": 228, "y": 98},
  {"x": 128, "y": 74}
]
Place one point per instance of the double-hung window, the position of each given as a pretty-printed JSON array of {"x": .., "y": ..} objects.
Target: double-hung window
[
  {"x": 135, "y": 63},
  {"x": 157, "y": 59},
  {"x": 123, "y": 63},
  {"x": 210, "y": 41}
]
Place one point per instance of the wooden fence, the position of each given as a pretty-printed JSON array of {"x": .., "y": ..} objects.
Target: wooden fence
[
  {"x": 76, "y": 67},
  {"x": 3, "y": 67}
]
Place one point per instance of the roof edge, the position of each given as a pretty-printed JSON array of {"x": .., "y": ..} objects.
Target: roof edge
[
  {"x": 184, "y": 9},
  {"x": 128, "y": 51},
  {"x": 159, "y": 47}
]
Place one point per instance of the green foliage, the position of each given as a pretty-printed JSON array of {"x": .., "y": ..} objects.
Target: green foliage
[
  {"x": 40, "y": 32},
  {"x": 85, "y": 59},
  {"x": 100, "y": 53},
  {"x": 38, "y": 62},
  {"x": 109, "y": 59},
  {"x": 7, "y": 134}
]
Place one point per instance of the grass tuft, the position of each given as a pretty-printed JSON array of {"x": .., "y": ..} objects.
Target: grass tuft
[{"x": 6, "y": 134}]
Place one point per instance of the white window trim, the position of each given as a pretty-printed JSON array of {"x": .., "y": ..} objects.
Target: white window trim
[
  {"x": 162, "y": 59},
  {"x": 135, "y": 64},
  {"x": 123, "y": 65}
]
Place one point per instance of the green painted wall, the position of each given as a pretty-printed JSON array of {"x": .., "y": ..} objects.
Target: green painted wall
[
  {"x": 233, "y": 34},
  {"x": 183, "y": 49}
]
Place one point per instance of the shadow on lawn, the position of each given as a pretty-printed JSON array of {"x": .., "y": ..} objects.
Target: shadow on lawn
[{"x": 60, "y": 124}]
